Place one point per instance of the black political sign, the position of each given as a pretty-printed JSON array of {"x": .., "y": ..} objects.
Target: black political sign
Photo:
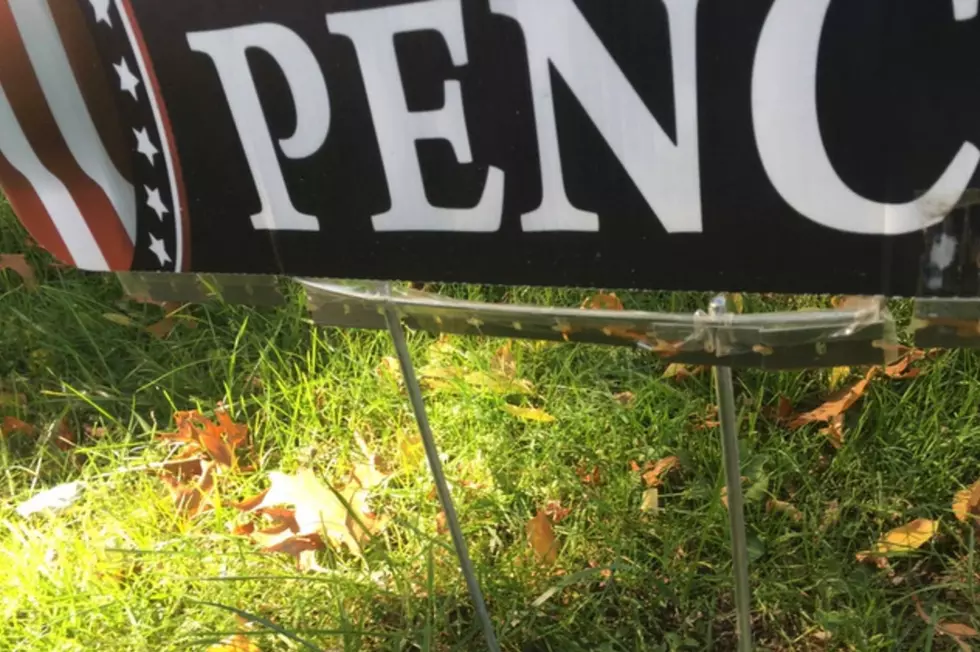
[{"x": 770, "y": 145}]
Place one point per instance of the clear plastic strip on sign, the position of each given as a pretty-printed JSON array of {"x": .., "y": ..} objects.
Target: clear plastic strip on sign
[{"x": 860, "y": 332}]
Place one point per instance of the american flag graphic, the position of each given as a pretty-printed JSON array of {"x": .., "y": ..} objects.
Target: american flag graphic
[{"x": 86, "y": 150}]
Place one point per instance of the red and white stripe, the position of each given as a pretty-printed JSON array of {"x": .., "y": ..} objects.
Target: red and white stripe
[{"x": 55, "y": 167}]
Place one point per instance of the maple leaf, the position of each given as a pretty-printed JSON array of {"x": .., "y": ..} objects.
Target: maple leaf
[
  {"x": 836, "y": 404},
  {"x": 18, "y": 263},
  {"x": 903, "y": 539},
  {"x": 197, "y": 434},
  {"x": 967, "y": 502},
  {"x": 541, "y": 536}
]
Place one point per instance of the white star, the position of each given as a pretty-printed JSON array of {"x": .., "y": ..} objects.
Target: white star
[
  {"x": 154, "y": 201},
  {"x": 101, "y": 9},
  {"x": 144, "y": 145},
  {"x": 127, "y": 81},
  {"x": 159, "y": 249}
]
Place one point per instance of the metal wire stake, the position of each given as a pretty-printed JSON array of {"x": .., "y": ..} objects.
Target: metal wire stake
[
  {"x": 725, "y": 389},
  {"x": 442, "y": 487}
]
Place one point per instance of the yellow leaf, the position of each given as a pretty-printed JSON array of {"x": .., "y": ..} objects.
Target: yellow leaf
[
  {"x": 529, "y": 414},
  {"x": 541, "y": 536},
  {"x": 967, "y": 502},
  {"x": 838, "y": 375},
  {"x": 903, "y": 539},
  {"x": 651, "y": 501}
]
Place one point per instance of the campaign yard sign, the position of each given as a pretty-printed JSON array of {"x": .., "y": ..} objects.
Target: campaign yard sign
[{"x": 762, "y": 145}]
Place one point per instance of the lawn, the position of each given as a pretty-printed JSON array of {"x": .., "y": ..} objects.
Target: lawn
[{"x": 125, "y": 568}]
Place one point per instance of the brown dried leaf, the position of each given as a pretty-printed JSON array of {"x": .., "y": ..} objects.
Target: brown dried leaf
[
  {"x": 541, "y": 536},
  {"x": 625, "y": 398},
  {"x": 835, "y": 405},
  {"x": 65, "y": 438},
  {"x": 784, "y": 409},
  {"x": 899, "y": 370},
  {"x": 556, "y": 511},
  {"x": 185, "y": 470},
  {"x": 162, "y": 328},
  {"x": 219, "y": 449},
  {"x": 967, "y": 502},
  {"x": 192, "y": 499},
  {"x": 956, "y": 631},
  {"x": 781, "y": 507},
  {"x": 302, "y": 547},
  {"x": 652, "y": 474},
  {"x": 12, "y": 424},
  {"x": 18, "y": 264},
  {"x": 589, "y": 478},
  {"x": 834, "y": 431},
  {"x": 441, "y": 525},
  {"x": 603, "y": 301}
]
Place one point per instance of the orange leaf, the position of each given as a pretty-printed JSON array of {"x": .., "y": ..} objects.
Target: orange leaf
[
  {"x": 162, "y": 328},
  {"x": 12, "y": 424},
  {"x": 216, "y": 446},
  {"x": 183, "y": 470},
  {"x": 903, "y": 539},
  {"x": 836, "y": 405},
  {"x": 589, "y": 478},
  {"x": 541, "y": 536},
  {"x": 234, "y": 433},
  {"x": 835, "y": 431},
  {"x": 18, "y": 263},
  {"x": 193, "y": 499},
  {"x": 441, "y": 526},
  {"x": 784, "y": 409},
  {"x": 900, "y": 369},
  {"x": 65, "y": 437},
  {"x": 603, "y": 301},
  {"x": 652, "y": 477},
  {"x": 967, "y": 502}
]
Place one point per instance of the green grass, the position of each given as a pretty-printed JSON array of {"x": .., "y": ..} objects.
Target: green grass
[{"x": 119, "y": 570}]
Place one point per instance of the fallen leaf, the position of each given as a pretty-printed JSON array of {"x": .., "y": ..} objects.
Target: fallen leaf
[
  {"x": 967, "y": 502},
  {"x": 162, "y": 328},
  {"x": 682, "y": 371},
  {"x": 317, "y": 509},
  {"x": 834, "y": 431},
  {"x": 65, "y": 437},
  {"x": 956, "y": 631},
  {"x": 502, "y": 363},
  {"x": 193, "y": 499},
  {"x": 603, "y": 301},
  {"x": 830, "y": 516},
  {"x": 442, "y": 526},
  {"x": 651, "y": 501},
  {"x": 781, "y": 507},
  {"x": 18, "y": 263},
  {"x": 837, "y": 376},
  {"x": 904, "y": 539},
  {"x": 53, "y": 499},
  {"x": 184, "y": 470},
  {"x": 899, "y": 370},
  {"x": 589, "y": 478},
  {"x": 836, "y": 405},
  {"x": 12, "y": 424},
  {"x": 625, "y": 398},
  {"x": 197, "y": 433},
  {"x": 541, "y": 536},
  {"x": 556, "y": 511},
  {"x": 784, "y": 409},
  {"x": 118, "y": 319},
  {"x": 652, "y": 474},
  {"x": 303, "y": 548},
  {"x": 529, "y": 414}
]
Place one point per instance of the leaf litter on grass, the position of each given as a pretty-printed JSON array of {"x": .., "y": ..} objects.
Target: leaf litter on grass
[
  {"x": 956, "y": 631},
  {"x": 966, "y": 502},
  {"x": 901, "y": 540}
]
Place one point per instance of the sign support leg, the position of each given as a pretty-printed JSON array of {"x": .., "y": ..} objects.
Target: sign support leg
[
  {"x": 442, "y": 487},
  {"x": 725, "y": 390}
]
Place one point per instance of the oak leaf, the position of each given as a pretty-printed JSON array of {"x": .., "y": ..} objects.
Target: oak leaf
[{"x": 836, "y": 404}]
